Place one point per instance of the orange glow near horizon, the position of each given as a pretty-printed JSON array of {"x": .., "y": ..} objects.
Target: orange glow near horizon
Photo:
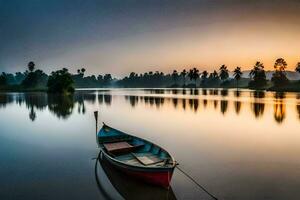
[
  {"x": 241, "y": 45},
  {"x": 161, "y": 37}
]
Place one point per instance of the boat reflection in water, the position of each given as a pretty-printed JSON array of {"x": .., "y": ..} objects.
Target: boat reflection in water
[{"x": 126, "y": 186}]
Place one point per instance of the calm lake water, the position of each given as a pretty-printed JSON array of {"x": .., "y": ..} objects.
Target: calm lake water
[{"x": 238, "y": 145}]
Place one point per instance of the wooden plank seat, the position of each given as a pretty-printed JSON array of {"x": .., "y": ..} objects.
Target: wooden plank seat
[
  {"x": 120, "y": 147},
  {"x": 148, "y": 158}
]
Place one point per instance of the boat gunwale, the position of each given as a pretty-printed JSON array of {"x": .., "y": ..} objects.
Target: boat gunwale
[{"x": 135, "y": 166}]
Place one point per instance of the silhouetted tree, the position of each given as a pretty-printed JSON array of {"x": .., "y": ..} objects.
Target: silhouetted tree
[
  {"x": 194, "y": 75},
  {"x": 183, "y": 75},
  {"x": 60, "y": 82},
  {"x": 279, "y": 77},
  {"x": 82, "y": 70},
  {"x": 2, "y": 79},
  {"x": 237, "y": 74},
  {"x": 190, "y": 74},
  {"x": 280, "y": 65},
  {"x": 175, "y": 76},
  {"x": 31, "y": 66},
  {"x": 35, "y": 78},
  {"x": 107, "y": 79},
  {"x": 213, "y": 79},
  {"x": 258, "y": 76},
  {"x": 224, "y": 74},
  {"x": 204, "y": 77},
  {"x": 19, "y": 77}
]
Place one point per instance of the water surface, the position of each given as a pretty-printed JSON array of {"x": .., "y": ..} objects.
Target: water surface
[{"x": 239, "y": 145}]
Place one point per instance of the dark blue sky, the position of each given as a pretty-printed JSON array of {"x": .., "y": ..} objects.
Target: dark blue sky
[{"x": 119, "y": 36}]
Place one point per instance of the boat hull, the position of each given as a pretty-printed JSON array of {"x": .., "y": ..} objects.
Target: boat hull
[{"x": 156, "y": 176}]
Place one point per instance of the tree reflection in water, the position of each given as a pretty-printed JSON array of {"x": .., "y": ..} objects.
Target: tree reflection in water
[
  {"x": 224, "y": 92},
  {"x": 298, "y": 106},
  {"x": 106, "y": 98},
  {"x": 237, "y": 107},
  {"x": 204, "y": 103},
  {"x": 298, "y": 110},
  {"x": 184, "y": 104},
  {"x": 34, "y": 101},
  {"x": 258, "y": 106},
  {"x": 237, "y": 93},
  {"x": 224, "y": 102},
  {"x": 5, "y": 99},
  {"x": 215, "y": 104},
  {"x": 215, "y": 92},
  {"x": 258, "y": 109},
  {"x": 237, "y": 104},
  {"x": 279, "y": 107},
  {"x": 224, "y": 106},
  {"x": 132, "y": 99},
  {"x": 61, "y": 105},
  {"x": 175, "y": 102},
  {"x": 194, "y": 104}
]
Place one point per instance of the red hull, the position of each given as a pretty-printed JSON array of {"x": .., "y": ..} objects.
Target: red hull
[{"x": 155, "y": 177}]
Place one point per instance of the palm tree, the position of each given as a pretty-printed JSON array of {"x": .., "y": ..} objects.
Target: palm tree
[
  {"x": 31, "y": 66},
  {"x": 204, "y": 76},
  {"x": 215, "y": 75},
  {"x": 183, "y": 75},
  {"x": 194, "y": 74},
  {"x": 256, "y": 69},
  {"x": 258, "y": 76},
  {"x": 279, "y": 77},
  {"x": 224, "y": 72},
  {"x": 280, "y": 65},
  {"x": 175, "y": 76},
  {"x": 237, "y": 74},
  {"x": 191, "y": 74}
]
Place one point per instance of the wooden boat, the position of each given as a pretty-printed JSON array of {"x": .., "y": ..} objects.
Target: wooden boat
[
  {"x": 136, "y": 157},
  {"x": 127, "y": 187}
]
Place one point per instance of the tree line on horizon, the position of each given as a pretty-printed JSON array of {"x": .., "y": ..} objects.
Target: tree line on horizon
[
  {"x": 62, "y": 81},
  {"x": 63, "y": 106}
]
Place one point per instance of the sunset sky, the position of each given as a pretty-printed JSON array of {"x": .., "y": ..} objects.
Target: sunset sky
[{"x": 119, "y": 36}]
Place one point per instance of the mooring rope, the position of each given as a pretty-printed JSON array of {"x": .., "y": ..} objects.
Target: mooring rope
[{"x": 198, "y": 184}]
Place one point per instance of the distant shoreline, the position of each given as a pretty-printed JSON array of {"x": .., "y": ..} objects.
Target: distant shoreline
[{"x": 288, "y": 88}]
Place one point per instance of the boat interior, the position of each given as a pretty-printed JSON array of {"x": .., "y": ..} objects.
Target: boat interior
[{"x": 132, "y": 150}]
